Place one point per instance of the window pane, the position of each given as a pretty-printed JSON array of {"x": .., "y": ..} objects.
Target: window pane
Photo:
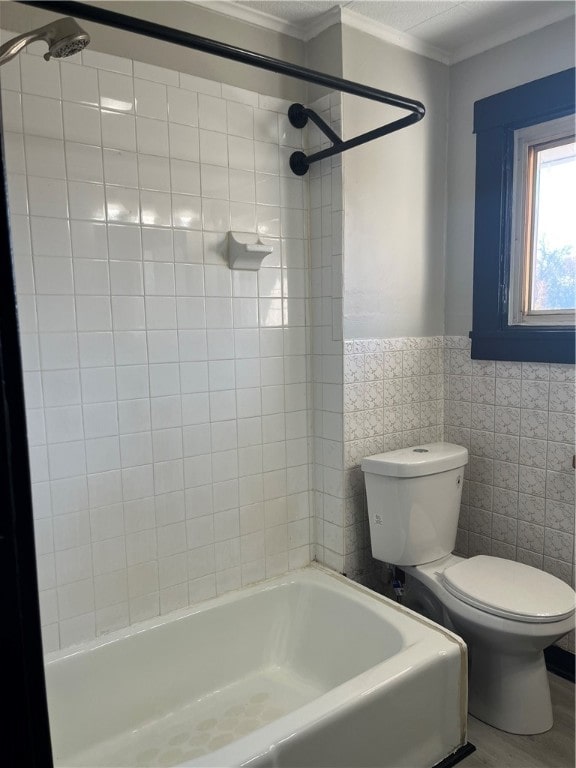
[{"x": 554, "y": 230}]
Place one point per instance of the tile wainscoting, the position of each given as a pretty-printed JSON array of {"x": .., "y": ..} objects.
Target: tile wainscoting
[{"x": 517, "y": 421}]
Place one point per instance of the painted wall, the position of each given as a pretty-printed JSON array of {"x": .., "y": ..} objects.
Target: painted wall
[
  {"x": 395, "y": 196},
  {"x": 167, "y": 396},
  {"x": 520, "y": 61}
]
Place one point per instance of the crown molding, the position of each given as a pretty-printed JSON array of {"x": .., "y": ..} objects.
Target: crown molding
[
  {"x": 512, "y": 33},
  {"x": 343, "y": 15},
  {"x": 394, "y": 36},
  {"x": 322, "y": 22},
  {"x": 251, "y": 16}
]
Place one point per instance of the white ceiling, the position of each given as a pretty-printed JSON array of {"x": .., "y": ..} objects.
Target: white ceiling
[{"x": 447, "y": 30}]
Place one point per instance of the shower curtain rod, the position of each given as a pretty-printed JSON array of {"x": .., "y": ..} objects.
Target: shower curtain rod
[{"x": 298, "y": 114}]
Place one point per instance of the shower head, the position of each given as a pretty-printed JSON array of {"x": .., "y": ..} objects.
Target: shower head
[{"x": 64, "y": 37}]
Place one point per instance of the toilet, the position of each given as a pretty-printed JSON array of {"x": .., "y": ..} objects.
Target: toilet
[{"x": 507, "y": 612}]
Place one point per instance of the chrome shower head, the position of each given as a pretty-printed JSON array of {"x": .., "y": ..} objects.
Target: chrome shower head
[{"x": 64, "y": 37}]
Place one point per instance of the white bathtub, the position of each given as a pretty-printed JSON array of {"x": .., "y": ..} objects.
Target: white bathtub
[{"x": 308, "y": 669}]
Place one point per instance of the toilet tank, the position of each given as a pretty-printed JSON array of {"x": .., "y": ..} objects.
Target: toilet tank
[{"x": 414, "y": 502}]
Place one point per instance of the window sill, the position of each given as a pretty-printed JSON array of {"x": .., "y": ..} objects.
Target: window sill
[{"x": 551, "y": 344}]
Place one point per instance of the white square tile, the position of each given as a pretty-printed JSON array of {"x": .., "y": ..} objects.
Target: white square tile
[
  {"x": 156, "y": 74},
  {"x": 45, "y": 157},
  {"x": 53, "y": 275},
  {"x": 154, "y": 172},
  {"x": 159, "y": 279},
  {"x": 133, "y": 382},
  {"x": 61, "y": 387},
  {"x": 102, "y": 454},
  {"x": 245, "y": 312},
  {"x": 122, "y": 205},
  {"x": 50, "y": 237},
  {"x": 160, "y": 313},
  {"x": 163, "y": 346},
  {"x": 213, "y": 148},
  {"x": 86, "y": 200},
  {"x": 241, "y": 153},
  {"x": 121, "y": 167},
  {"x": 188, "y": 246},
  {"x": 215, "y": 215},
  {"x": 195, "y": 408},
  {"x": 191, "y": 313},
  {"x": 14, "y": 150},
  {"x": 89, "y": 240},
  {"x": 55, "y": 313},
  {"x": 47, "y": 197},
  {"x": 186, "y": 214},
  {"x": 212, "y": 112},
  {"x": 118, "y": 131},
  {"x": 152, "y": 136},
  {"x": 39, "y": 78},
  {"x": 64, "y": 424},
  {"x": 79, "y": 84},
  {"x": 221, "y": 375},
  {"x": 84, "y": 162},
  {"x": 136, "y": 449},
  {"x": 66, "y": 460},
  {"x": 157, "y": 244},
  {"x": 242, "y": 186},
  {"x": 91, "y": 58},
  {"x": 126, "y": 278},
  {"x": 156, "y": 208},
  {"x": 215, "y": 182},
  {"x": 219, "y": 312},
  {"x": 100, "y": 420},
  {"x": 222, "y": 405},
  {"x": 194, "y": 377},
  {"x": 185, "y": 177},
  {"x": 43, "y": 117},
  {"x": 220, "y": 344},
  {"x": 192, "y": 345},
  {"x": 116, "y": 91},
  {"x": 240, "y": 120},
  {"x": 182, "y": 106},
  {"x": 189, "y": 280},
  {"x": 134, "y": 416},
  {"x": 130, "y": 347},
  {"x": 184, "y": 142},
  {"x": 91, "y": 277},
  {"x": 98, "y": 384},
  {"x": 124, "y": 242},
  {"x": 96, "y": 349},
  {"x": 81, "y": 123}
]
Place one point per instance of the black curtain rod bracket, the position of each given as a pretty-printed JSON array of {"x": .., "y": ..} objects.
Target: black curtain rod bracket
[{"x": 298, "y": 114}]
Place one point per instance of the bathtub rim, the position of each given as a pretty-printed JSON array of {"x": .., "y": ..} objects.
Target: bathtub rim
[{"x": 312, "y": 570}]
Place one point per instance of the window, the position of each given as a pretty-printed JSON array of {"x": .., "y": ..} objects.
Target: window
[{"x": 525, "y": 230}]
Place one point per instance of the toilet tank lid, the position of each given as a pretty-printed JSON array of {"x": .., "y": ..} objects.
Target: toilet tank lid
[{"x": 417, "y": 461}]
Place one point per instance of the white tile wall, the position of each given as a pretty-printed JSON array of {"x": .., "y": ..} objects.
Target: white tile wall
[
  {"x": 326, "y": 254},
  {"x": 168, "y": 398}
]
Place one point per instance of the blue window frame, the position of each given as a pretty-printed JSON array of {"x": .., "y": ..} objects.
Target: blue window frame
[{"x": 495, "y": 120}]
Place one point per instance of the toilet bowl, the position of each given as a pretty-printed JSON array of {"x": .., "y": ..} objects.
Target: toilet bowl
[
  {"x": 507, "y": 683},
  {"x": 507, "y": 612}
]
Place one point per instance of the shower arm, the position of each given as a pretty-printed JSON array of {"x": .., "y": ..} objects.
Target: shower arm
[
  {"x": 298, "y": 115},
  {"x": 17, "y": 44}
]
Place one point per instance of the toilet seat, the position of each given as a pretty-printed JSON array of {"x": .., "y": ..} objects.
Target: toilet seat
[{"x": 509, "y": 589}]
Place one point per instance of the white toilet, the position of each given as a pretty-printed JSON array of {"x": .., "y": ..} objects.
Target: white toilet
[{"x": 506, "y": 612}]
